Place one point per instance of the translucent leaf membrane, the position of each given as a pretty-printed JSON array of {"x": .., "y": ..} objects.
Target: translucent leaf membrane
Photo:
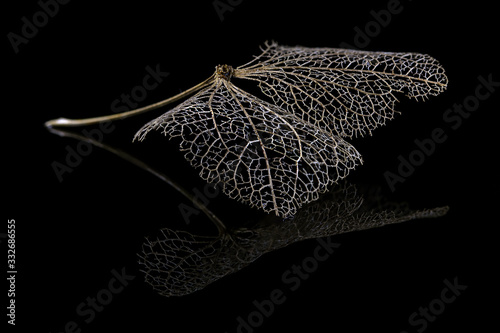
[
  {"x": 346, "y": 92},
  {"x": 260, "y": 154},
  {"x": 278, "y": 156}
]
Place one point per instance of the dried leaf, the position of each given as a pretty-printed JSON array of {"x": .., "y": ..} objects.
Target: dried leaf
[
  {"x": 279, "y": 156},
  {"x": 346, "y": 91},
  {"x": 259, "y": 154}
]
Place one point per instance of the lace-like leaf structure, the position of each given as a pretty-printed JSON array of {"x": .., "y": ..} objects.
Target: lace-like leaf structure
[
  {"x": 347, "y": 92},
  {"x": 178, "y": 263},
  {"x": 278, "y": 156}
]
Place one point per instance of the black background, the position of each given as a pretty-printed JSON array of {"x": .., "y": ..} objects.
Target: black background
[{"x": 72, "y": 234}]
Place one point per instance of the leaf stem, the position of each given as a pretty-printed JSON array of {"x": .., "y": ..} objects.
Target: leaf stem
[{"x": 65, "y": 122}]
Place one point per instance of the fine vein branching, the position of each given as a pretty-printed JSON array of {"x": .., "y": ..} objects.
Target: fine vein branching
[{"x": 283, "y": 152}]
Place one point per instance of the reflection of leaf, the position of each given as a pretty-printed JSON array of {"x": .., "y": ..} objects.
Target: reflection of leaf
[
  {"x": 280, "y": 156},
  {"x": 177, "y": 263}
]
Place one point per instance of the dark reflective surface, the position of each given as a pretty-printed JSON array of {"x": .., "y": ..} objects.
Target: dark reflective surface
[
  {"x": 177, "y": 262},
  {"x": 90, "y": 60}
]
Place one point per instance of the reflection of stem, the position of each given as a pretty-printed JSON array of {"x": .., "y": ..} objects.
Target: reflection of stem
[
  {"x": 218, "y": 223},
  {"x": 65, "y": 122}
]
